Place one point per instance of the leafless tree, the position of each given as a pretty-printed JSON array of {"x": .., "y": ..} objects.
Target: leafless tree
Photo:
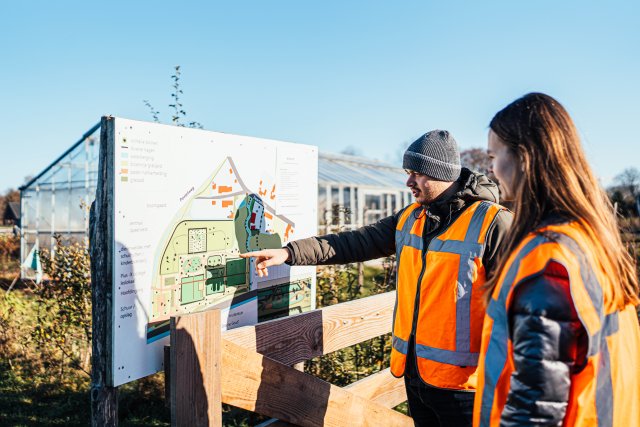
[
  {"x": 476, "y": 159},
  {"x": 629, "y": 179},
  {"x": 351, "y": 151}
]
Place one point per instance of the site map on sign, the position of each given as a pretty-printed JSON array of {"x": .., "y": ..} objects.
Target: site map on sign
[{"x": 198, "y": 265}]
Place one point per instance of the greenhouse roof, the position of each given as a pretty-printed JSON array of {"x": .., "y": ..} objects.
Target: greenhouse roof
[
  {"x": 345, "y": 169},
  {"x": 48, "y": 174},
  {"x": 336, "y": 169}
]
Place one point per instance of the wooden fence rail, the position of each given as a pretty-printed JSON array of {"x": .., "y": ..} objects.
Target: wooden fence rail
[{"x": 251, "y": 368}]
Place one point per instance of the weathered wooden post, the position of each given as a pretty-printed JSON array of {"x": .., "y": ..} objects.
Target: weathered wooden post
[
  {"x": 196, "y": 359},
  {"x": 104, "y": 398}
]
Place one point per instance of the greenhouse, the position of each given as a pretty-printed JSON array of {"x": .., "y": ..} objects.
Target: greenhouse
[
  {"x": 352, "y": 191},
  {"x": 57, "y": 200},
  {"x": 355, "y": 191}
]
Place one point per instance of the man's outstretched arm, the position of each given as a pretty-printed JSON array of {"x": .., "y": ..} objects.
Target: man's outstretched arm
[{"x": 369, "y": 242}]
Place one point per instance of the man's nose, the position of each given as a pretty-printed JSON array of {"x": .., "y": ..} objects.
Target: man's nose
[{"x": 410, "y": 181}]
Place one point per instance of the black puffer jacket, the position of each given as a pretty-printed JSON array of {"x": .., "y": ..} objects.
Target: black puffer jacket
[{"x": 549, "y": 345}]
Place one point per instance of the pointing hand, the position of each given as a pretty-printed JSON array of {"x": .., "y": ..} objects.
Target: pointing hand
[{"x": 266, "y": 258}]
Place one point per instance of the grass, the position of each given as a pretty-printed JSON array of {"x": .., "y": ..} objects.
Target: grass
[
  {"x": 32, "y": 391},
  {"x": 24, "y": 405},
  {"x": 37, "y": 388},
  {"x": 141, "y": 403}
]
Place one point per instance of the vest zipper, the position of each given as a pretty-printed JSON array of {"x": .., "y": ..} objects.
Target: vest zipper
[{"x": 416, "y": 303}]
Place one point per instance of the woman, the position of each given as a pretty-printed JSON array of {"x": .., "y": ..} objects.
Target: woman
[{"x": 560, "y": 342}]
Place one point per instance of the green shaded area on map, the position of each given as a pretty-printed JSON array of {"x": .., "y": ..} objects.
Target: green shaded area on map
[
  {"x": 190, "y": 289},
  {"x": 203, "y": 236},
  {"x": 249, "y": 227},
  {"x": 284, "y": 299}
]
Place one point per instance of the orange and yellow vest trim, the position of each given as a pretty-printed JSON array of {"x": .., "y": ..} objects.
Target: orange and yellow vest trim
[
  {"x": 607, "y": 391},
  {"x": 439, "y": 296}
]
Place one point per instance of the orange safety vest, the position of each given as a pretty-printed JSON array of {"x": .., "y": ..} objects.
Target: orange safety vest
[
  {"x": 439, "y": 300},
  {"x": 607, "y": 391}
]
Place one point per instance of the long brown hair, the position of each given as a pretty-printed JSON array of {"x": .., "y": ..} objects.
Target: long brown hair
[{"x": 557, "y": 179}]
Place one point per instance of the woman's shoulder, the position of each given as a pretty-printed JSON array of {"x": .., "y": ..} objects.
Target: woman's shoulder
[{"x": 546, "y": 294}]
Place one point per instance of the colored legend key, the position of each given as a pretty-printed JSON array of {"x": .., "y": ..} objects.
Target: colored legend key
[{"x": 124, "y": 161}]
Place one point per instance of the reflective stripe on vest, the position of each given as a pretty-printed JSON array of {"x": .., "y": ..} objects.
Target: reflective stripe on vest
[
  {"x": 468, "y": 249},
  {"x": 437, "y": 354},
  {"x": 497, "y": 350}
]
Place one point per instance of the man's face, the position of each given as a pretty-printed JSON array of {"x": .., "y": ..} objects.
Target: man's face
[{"x": 424, "y": 188}]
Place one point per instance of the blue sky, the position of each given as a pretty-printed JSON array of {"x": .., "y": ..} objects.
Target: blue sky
[{"x": 373, "y": 75}]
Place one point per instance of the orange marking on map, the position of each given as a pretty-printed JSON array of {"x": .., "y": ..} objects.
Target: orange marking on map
[
  {"x": 213, "y": 202},
  {"x": 213, "y": 187},
  {"x": 287, "y": 231},
  {"x": 224, "y": 189},
  {"x": 226, "y": 203},
  {"x": 230, "y": 171},
  {"x": 268, "y": 215}
]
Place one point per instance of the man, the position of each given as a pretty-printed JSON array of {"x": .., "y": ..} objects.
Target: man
[{"x": 445, "y": 245}]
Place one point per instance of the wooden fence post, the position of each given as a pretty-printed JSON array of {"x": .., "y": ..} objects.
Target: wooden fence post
[
  {"x": 196, "y": 357},
  {"x": 104, "y": 398}
]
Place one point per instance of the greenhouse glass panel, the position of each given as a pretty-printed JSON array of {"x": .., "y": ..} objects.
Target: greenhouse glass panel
[{"x": 55, "y": 201}]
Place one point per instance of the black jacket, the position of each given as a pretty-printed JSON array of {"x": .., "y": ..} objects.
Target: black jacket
[
  {"x": 549, "y": 345},
  {"x": 378, "y": 240}
]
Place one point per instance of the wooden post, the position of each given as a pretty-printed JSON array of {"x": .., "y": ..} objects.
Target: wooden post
[
  {"x": 104, "y": 398},
  {"x": 196, "y": 357},
  {"x": 167, "y": 376}
]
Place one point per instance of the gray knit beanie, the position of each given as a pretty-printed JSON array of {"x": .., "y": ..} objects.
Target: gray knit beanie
[{"x": 434, "y": 154}]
